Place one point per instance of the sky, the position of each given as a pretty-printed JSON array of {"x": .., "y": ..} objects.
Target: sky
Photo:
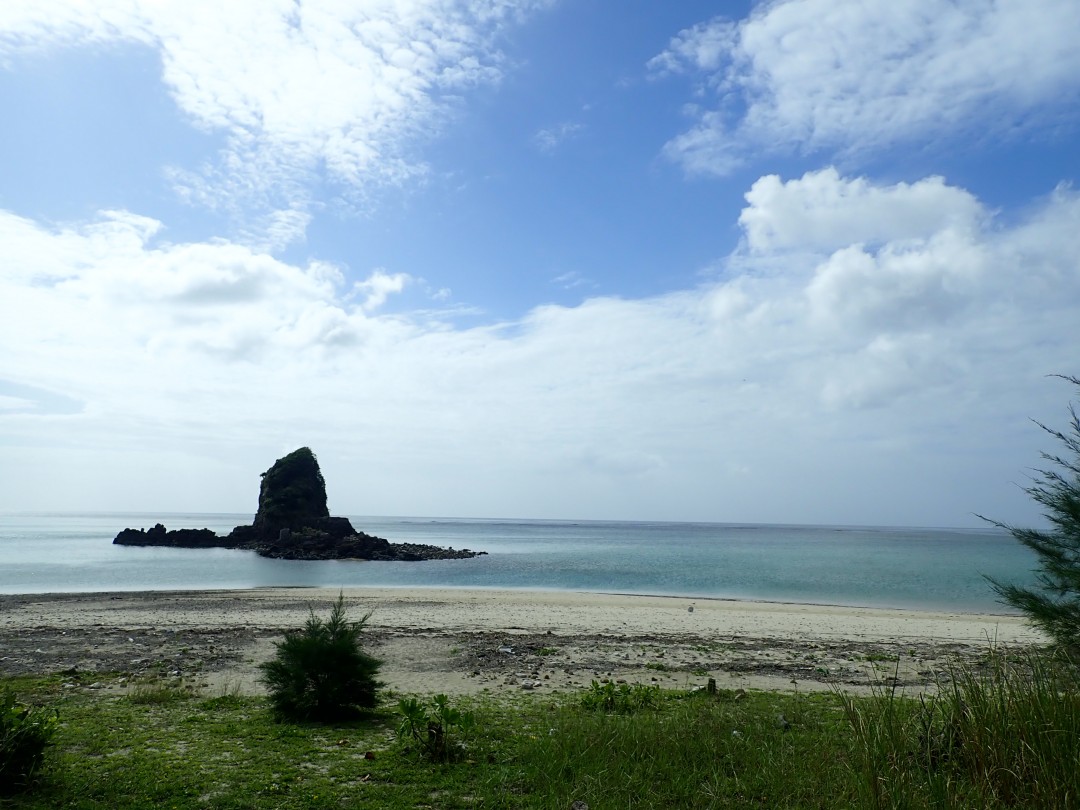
[{"x": 799, "y": 261}]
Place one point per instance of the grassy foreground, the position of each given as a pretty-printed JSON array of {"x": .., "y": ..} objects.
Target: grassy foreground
[{"x": 1009, "y": 737}]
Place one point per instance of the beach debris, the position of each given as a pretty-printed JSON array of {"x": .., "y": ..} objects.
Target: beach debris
[
  {"x": 506, "y": 650},
  {"x": 690, "y": 609}
]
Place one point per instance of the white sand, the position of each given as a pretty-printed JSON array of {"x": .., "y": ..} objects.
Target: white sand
[
  {"x": 439, "y": 639},
  {"x": 513, "y": 611}
]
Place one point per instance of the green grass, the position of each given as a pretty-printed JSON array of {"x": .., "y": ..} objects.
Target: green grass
[
  {"x": 691, "y": 751},
  {"x": 1008, "y": 736}
]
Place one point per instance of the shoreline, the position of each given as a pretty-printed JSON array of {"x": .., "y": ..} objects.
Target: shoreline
[
  {"x": 452, "y": 639},
  {"x": 508, "y": 589}
]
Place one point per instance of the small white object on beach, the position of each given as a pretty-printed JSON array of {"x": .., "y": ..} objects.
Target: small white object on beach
[{"x": 506, "y": 650}]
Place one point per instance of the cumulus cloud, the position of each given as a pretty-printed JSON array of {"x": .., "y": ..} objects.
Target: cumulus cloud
[
  {"x": 836, "y": 347},
  {"x": 113, "y": 283},
  {"x": 809, "y": 75},
  {"x": 822, "y": 211},
  {"x": 299, "y": 88}
]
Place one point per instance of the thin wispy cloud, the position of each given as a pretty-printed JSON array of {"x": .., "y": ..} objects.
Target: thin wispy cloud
[
  {"x": 271, "y": 77},
  {"x": 549, "y": 140},
  {"x": 571, "y": 280}
]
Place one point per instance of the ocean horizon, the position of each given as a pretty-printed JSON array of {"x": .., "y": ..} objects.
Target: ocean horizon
[{"x": 857, "y": 566}]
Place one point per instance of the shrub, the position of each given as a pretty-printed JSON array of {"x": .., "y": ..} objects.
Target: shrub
[
  {"x": 320, "y": 673},
  {"x": 24, "y": 733},
  {"x": 436, "y": 730}
]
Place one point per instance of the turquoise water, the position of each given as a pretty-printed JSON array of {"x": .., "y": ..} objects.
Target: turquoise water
[{"x": 939, "y": 569}]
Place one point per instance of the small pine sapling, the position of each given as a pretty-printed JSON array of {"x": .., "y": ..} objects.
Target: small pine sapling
[{"x": 320, "y": 673}]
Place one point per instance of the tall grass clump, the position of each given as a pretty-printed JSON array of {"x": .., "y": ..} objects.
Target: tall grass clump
[
  {"x": 25, "y": 732},
  {"x": 1003, "y": 736},
  {"x": 321, "y": 673}
]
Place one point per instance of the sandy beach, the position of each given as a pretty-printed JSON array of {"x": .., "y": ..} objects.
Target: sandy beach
[{"x": 472, "y": 641}]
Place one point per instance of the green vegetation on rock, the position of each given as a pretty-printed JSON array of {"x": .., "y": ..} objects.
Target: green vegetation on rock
[{"x": 292, "y": 494}]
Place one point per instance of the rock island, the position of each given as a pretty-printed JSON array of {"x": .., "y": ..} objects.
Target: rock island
[{"x": 294, "y": 523}]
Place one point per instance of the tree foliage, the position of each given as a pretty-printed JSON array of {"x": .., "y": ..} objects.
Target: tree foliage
[
  {"x": 321, "y": 673},
  {"x": 1054, "y": 606}
]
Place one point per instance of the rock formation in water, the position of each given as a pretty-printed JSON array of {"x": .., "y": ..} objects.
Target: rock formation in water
[
  {"x": 293, "y": 523},
  {"x": 292, "y": 494},
  {"x": 157, "y": 535}
]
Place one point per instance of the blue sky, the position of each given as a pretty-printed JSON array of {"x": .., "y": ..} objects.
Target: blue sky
[{"x": 798, "y": 261}]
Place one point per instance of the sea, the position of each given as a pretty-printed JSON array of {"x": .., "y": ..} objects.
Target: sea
[{"x": 860, "y": 566}]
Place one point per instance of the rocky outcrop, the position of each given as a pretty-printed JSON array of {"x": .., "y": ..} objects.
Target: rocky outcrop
[
  {"x": 292, "y": 495},
  {"x": 312, "y": 544},
  {"x": 293, "y": 523},
  {"x": 158, "y": 535}
]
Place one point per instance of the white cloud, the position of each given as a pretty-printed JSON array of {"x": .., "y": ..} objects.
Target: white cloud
[
  {"x": 15, "y": 404},
  {"x": 379, "y": 286},
  {"x": 572, "y": 280},
  {"x": 330, "y": 86},
  {"x": 550, "y": 139},
  {"x": 111, "y": 284},
  {"x": 897, "y": 358},
  {"x": 808, "y": 75},
  {"x": 820, "y": 211}
]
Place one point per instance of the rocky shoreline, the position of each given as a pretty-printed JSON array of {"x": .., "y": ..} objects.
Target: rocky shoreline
[{"x": 352, "y": 545}]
